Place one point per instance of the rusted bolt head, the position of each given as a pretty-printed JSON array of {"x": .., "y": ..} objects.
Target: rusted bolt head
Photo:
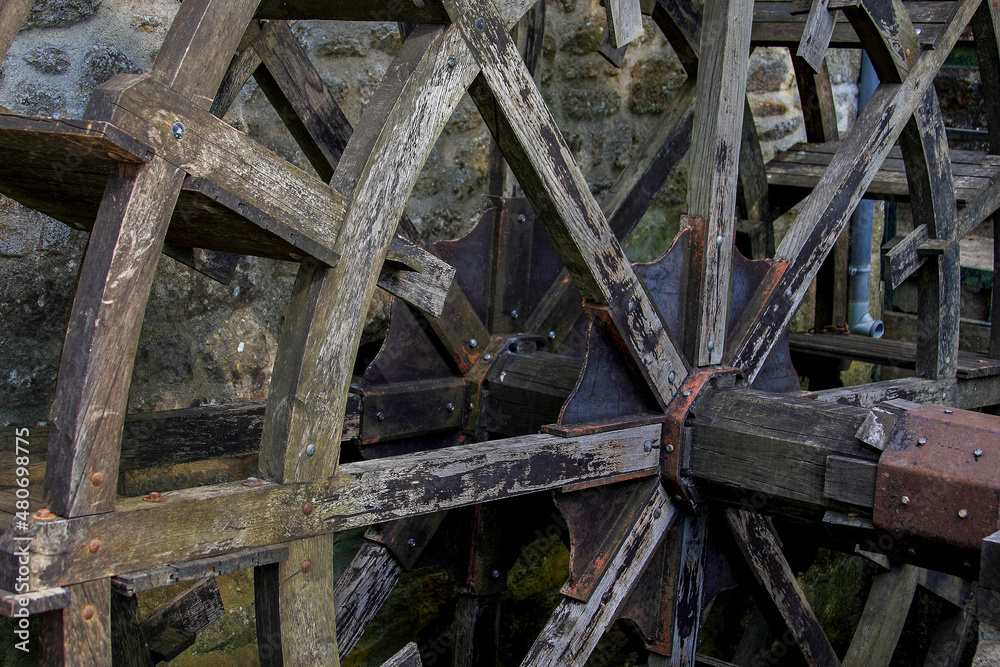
[
  {"x": 88, "y": 612},
  {"x": 905, "y": 500},
  {"x": 922, "y": 441},
  {"x": 307, "y": 508},
  {"x": 411, "y": 543},
  {"x": 153, "y": 497},
  {"x": 963, "y": 514},
  {"x": 43, "y": 514},
  {"x": 977, "y": 453},
  {"x": 94, "y": 546},
  {"x": 252, "y": 481},
  {"x": 647, "y": 446},
  {"x": 670, "y": 448},
  {"x": 306, "y": 566},
  {"x": 97, "y": 478}
]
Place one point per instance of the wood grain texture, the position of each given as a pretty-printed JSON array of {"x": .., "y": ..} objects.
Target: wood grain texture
[
  {"x": 12, "y": 16},
  {"x": 817, "y": 34},
  {"x": 828, "y": 208},
  {"x": 715, "y": 143},
  {"x": 96, "y": 365},
  {"x": 128, "y": 643},
  {"x": 168, "y": 574},
  {"x": 361, "y": 591},
  {"x": 80, "y": 634},
  {"x": 192, "y": 610},
  {"x": 294, "y": 607},
  {"x": 213, "y": 520},
  {"x": 819, "y": 112},
  {"x": 624, "y": 21},
  {"x": 408, "y": 656},
  {"x": 882, "y": 620},
  {"x": 574, "y": 629},
  {"x": 759, "y": 545},
  {"x": 519, "y": 119}
]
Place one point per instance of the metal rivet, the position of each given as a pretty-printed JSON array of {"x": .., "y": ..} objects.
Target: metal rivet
[
  {"x": 480, "y": 23},
  {"x": 647, "y": 446},
  {"x": 949, "y": 412},
  {"x": 307, "y": 508},
  {"x": 153, "y": 497},
  {"x": 522, "y": 218},
  {"x": 419, "y": 3},
  {"x": 671, "y": 377},
  {"x": 513, "y": 314},
  {"x": 44, "y": 514},
  {"x": 473, "y": 343},
  {"x": 605, "y": 597},
  {"x": 918, "y": 31},
  {"x": 487, "y": 357},
  {"x": 310, "y": 450},
  {"x": 306, "y": 566},
  {"x": 947, "y": 360},
  {"x": 905, "y": 500},
  {"x": 411, "y": 543},
  {"x": 451, "y": 61},
  {"x": 678, "y": 499},
  {"x": 711, "y": 345},
  {"x": 88, "y": 612},
  {"x": 450, "y": 407},
  {"x": 718, "y": 241},
  {"x": 657, "y": 514},
  {"x": 380, "y": 416},
  {"x": 631, "y": 306},
  {"x": 252, "y": 481},
  {"x": 552, "y": 335},
  {"x": 97, "y": 478},
  {"x": 496, "y": 574},
  {"x": 963, "y": 513},
  {"x": 177, "y": 129},
  {"x": 94, "y": 546},
  {"x": 922, "y": 441},
  {"x": 470, "y": 406},
  {"x": 788, "y": 294},
  {"x": 685, "y": 393},
  {"x": 670, "y": 448},
  {"x": 977, "y": 453},
  {"x": 944, "y": 395}
]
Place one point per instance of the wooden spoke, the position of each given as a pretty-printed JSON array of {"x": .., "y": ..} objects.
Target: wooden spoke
[
  {"x": 575, "y": 627},
  {"x": 828, "y": 208},
  {"x": 361, "y": 591},
  {"x": 516, "y": 114},
  {"x": 817, "y": 34},
  {"x": 80, "y": 634},
  {"x": 882, "y": 620},
  {"x": 624, "y": 21}
]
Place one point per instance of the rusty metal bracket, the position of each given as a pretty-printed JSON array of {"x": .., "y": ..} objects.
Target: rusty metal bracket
[
  {"x": 939, "y": 478},
  {"x": 675, "y": 452}
]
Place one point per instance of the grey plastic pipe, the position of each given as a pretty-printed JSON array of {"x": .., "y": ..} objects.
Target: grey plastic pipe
[{"x": 859, "y": 317}]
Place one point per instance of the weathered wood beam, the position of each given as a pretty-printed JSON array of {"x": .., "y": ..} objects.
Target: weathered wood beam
[
  {"x": 517, "y": 115},
  {"x": 192, "y": 611},
  {"x": 624, "y": 21},
  {"x": 718, "y": 128},
  {"x": 882, "y": 620},
  {"x": 173, "y": 573},
  {"x": 408, "y": 656},
  {"x": 192, "y": 523},
  {"x": 817, "y": 34},
  {"x": 13, "y": 14},
  {"x": 80, "y": 634},
  {"x": 828, "y": 208},
  {"x": 129, "y": 647},
  {"x": 968, "y": 394},
  {"x": 361, "y": 592},
  {"x": 575, "y": 627}
]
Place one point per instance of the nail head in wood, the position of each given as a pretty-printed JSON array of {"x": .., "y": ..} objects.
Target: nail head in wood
[
  {"x": 97, "y": 478},
  {"x": 177, "y": 129},
  {"x": 306, "y": 566},
  {"x": 310, "y": 450},
  {"x": 153, "y": 497},
  {"x": 307, "y": 508},
  {"x": 88, "y": 612},
  {"x": 94, "y": 546},
  {"x": 963, "y": 514}
]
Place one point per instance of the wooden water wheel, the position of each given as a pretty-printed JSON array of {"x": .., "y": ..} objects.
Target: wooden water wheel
[{"x": 662, "y": 414}]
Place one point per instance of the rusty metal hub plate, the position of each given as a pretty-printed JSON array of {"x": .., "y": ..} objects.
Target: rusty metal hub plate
[{"x": 939, "y": 478}]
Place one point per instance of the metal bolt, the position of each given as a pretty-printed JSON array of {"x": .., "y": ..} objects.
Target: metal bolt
[
  {"x": 670, "y": 448},
  {"x": 480, "y": 23},
  {"x": 921, "y": 441},
  {"x": 307, "y": 508},
  {"x": 522, "y": 218},
  {"x": 963, "y": 513},
  {"x": 631, "y": 306},
  {"x": 647, "y": 446},
  {"x": 686, "y": 393},
  {"x": 905, "y": 500},
  {"x": 411, "y": 543},
  {"x": 450, "y": 407},
  {"x": 451, "y": 61},
  {"x": 88, "y": 612},
  {"x": 949, "y": 412},
  {"x": 496, "y": 574},
  {"x": 97, "y": 478},
  {"x": 718, "y": 241},
  {"x": 177, "y": 129},
  {"x": 306, "y": 566},
  {"x": 671, "y": 377},
  {"x": 470, "y": 406},
  {"x": 94, "y": 546},
  {"x": 678, "y": 499},
  {"x": 788, "y": 293},
  {"x": 947, "y": 360},
  {"x": 487, "y": 357},
  {"x": 711, "y": 345},
  {"x": 513, "y": 314},
  {"x": 310, "y": 450},
  {"x": 918, "y": 31},
  {"x": 252, "y": 481},
  {"x": 380, "y": 416},
  {"x": 977, "y": 453},
  {"x": 44, "y": 514},
  {"x": 606, "y": 597},
  {"x": 418, "y": 3},
  {"x": 153, "y": 497},
  {"x": 472, "y": 342},
  {"x": 552, "y": 335},
  {"x": 657, "y": 514}
]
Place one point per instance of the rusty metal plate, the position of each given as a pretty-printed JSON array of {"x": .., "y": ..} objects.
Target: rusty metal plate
[{"x": 939, "y": 478}]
